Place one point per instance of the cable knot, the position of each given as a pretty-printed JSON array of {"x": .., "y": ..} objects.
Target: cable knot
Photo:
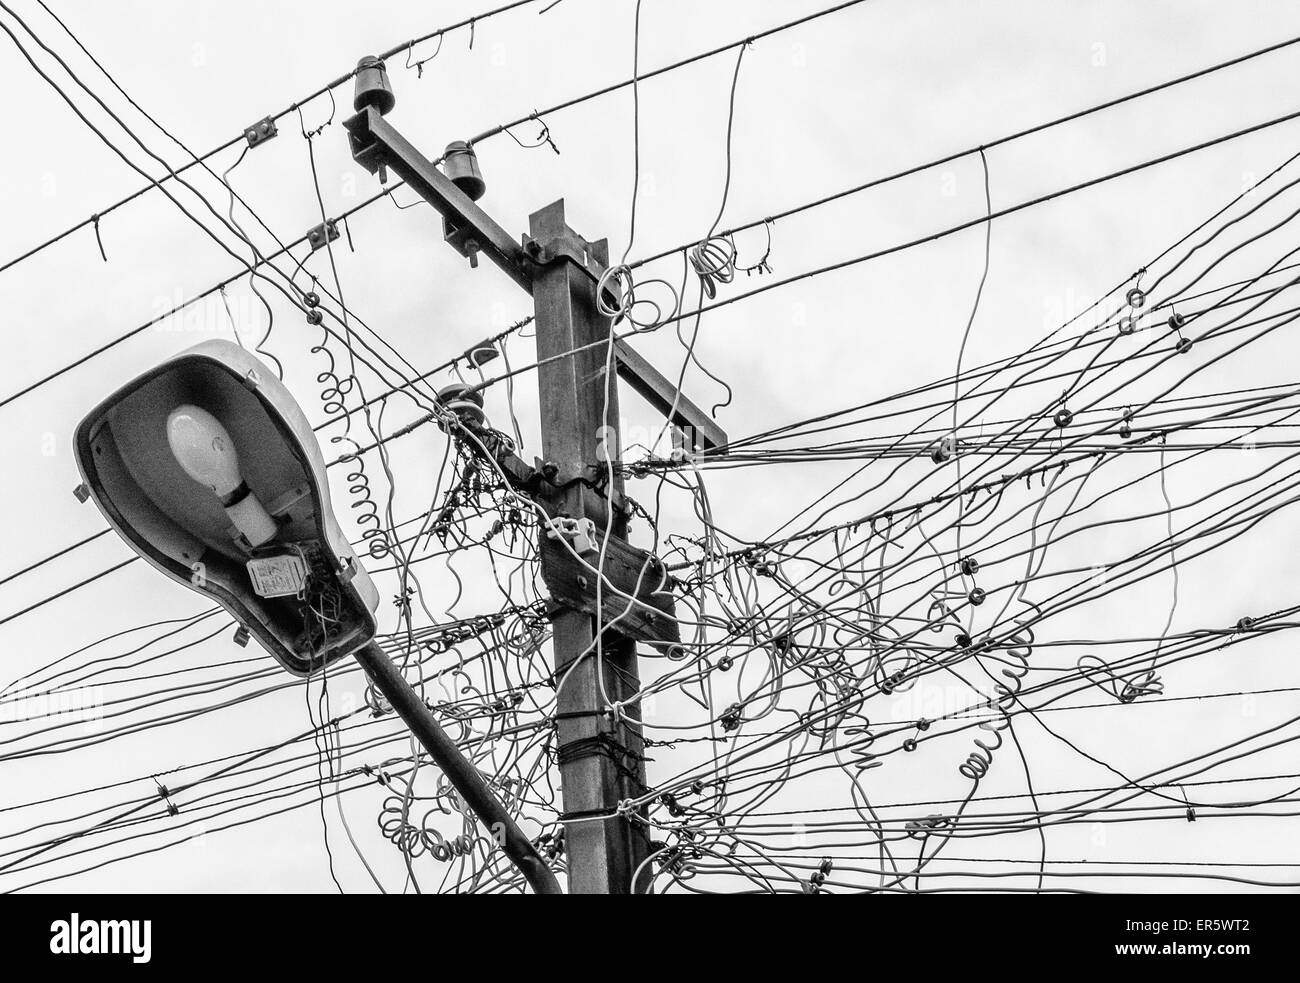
[
  {"x": 615, "y": 710},
  {"x": 94, "y": 220}
]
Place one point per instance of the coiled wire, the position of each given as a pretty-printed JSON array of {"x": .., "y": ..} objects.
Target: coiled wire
[{"x": 1019, "y": 648}]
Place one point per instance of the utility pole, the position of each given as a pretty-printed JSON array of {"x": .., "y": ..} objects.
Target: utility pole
[
  {"x": 597, "y": 583},
  {"x": 600, "y": 757}
]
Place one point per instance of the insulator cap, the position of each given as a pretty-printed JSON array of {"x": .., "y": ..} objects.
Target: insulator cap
[
  {"x": 372, "y": 87},
  {"x": 460, "y": 164}
]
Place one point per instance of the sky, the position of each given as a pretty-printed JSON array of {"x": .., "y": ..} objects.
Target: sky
[{"x": 861, "y": 93}]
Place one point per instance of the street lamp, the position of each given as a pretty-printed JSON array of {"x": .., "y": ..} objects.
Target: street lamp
[{"x": 207, "y": 467}]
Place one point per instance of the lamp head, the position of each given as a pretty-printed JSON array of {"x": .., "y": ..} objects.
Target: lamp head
[{"x": 209, "y": 470}]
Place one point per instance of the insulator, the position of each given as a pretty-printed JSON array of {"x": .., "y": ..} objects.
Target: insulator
[
  {"x": 460, "y": 164},
  {"x": 1063, "y": 418},
  {"x": 1184, "y": 346},
  {"x": 1176, "y": 321},
  {"x": 464, "y": 402},
  {"x": 976, "y": 595},
  {"x": 1136, "y": 298},
  {"x": 372, "y": 87},
  {"x": 1127, "y": 325},
  {"x": 970, "y": 565},
  {"x": 1125, "y": 431}
]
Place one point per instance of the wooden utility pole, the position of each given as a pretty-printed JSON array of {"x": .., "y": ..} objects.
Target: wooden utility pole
[
  {"x": 600, "y": 756},
  {"x": 593, "y": 580}
]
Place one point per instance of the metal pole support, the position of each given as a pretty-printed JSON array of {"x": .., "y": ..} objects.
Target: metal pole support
[{"x": 459, "y": 771}]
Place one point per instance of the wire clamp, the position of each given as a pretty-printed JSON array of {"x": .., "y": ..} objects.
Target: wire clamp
[
  {"x": 164, "y": 793},
  {"x": 580, "y": 532},
  {"x": 323, "y": 234},
  {"x": 261, "y": 131}
]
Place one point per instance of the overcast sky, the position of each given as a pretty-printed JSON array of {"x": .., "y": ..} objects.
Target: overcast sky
[{"x": 855, "y": 95}]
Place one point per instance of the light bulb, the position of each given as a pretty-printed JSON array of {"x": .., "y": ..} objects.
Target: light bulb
[{"x": 203, "y": 448}]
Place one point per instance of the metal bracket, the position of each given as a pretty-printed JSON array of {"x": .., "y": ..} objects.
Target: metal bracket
[
  {"x": 638, "y": 601},
  {"x": 323, "y": 234},
  {"x": 261, "y": 131},
  {"x": 516, "y": 470},
  {"x": 575, "y": 249},
  {"x": 376, "y": 144},
  {"x": 482, "y": 353},
  {"x": 699, "y": 429}
]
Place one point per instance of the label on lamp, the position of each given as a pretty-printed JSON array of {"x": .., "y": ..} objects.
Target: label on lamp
[{"x": 278, "y": 576}]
